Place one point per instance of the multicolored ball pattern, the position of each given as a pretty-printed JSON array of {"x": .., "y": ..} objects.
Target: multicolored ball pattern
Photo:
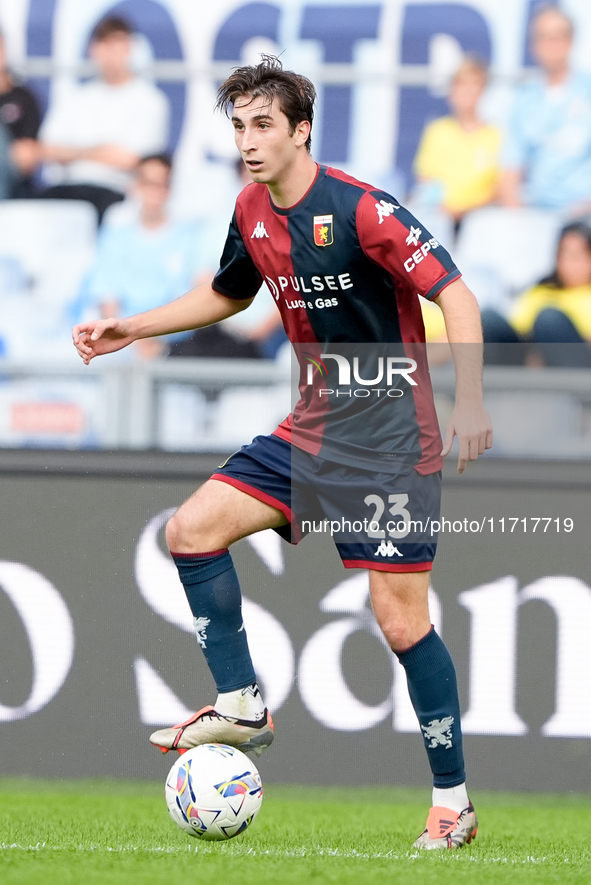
[{"x": 213, "y": 792}]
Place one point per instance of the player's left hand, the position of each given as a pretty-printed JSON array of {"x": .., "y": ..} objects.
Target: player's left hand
[{"x": 472, "y": 426}]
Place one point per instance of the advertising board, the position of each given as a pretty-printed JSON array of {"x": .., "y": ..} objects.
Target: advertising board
[{"x": 97, "y": 647}]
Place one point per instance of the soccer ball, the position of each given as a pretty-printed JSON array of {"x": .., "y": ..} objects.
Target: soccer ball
[{"x": 213, "y": 792}]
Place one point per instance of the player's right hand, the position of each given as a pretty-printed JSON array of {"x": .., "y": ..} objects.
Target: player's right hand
[{"x": 101, "y": 336}]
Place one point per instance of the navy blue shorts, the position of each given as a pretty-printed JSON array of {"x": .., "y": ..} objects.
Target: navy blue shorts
[{"x": 377, "y": 520}]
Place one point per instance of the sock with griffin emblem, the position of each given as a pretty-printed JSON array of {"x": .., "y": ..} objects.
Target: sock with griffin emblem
[
  {"x": 433, "y": 690},
  {"x": 213, "y": 592}
]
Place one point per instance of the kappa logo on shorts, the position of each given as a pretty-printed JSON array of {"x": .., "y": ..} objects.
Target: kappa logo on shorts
[
  {"x": 387, "y": 550},
  {"x": 323, "y": 234}
]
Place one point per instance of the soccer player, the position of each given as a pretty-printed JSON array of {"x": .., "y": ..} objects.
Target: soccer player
[{"x": 345, "y": 263}]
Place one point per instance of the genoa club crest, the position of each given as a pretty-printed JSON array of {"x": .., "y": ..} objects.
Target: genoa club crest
[{"x": 323, "y": 230}]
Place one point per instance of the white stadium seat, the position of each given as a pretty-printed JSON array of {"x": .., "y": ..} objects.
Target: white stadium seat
[
  {"x": 53, "y": 242},
  {"x": 41, "y": 233},
  {"x": 182, "y": 417},
  {"x": 503, "y": 251},
  {"x": 243, "y": 412}
]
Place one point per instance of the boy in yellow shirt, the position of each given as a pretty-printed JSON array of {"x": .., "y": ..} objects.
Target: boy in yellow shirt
[
  {"x": 557, "y": 311},
  {"x": 459, "y": 153}
]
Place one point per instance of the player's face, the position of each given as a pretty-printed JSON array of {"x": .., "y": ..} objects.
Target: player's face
[{"x": 262, "y": 134}]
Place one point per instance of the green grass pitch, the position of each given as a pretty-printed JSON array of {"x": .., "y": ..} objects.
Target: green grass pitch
[{"x": 119, "y": 832}]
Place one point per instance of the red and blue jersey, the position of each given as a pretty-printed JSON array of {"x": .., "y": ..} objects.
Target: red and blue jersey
[{"x": 346, "y": 266}]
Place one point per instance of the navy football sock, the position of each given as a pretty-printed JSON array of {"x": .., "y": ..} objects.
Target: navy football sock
[
  {"x": 213, "y": 592},
  {"x": 433, "y": 691}
]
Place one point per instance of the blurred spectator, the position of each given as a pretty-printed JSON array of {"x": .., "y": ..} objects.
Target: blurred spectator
[
  {"x": 19, "y": 119},
  {"x": 96, "y": 134},
  {"x": 250, "y": 334},
  {"x": 144, "y": 259},
  {"x": 457, "y": 163},
  {"x": 547, "y": 157},
  {"x": 554, "y": 313}
]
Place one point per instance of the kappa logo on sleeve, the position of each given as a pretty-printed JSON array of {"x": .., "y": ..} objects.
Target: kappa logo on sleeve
[{"x": 385, "y": 209}]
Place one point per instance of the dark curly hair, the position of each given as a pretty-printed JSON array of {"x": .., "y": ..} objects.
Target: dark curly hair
[{"x": 295, "y": 93}]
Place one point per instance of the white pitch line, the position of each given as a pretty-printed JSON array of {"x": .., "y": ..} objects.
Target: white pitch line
[{"x": 297, "y": 852}]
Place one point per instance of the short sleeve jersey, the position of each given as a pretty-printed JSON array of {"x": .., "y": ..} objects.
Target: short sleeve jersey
[{"x": 346, "y": 266}]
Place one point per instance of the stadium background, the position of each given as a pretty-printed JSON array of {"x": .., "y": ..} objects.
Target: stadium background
[
  {"x": 92, "y": 653},
  {"x": 382, "y": 67},
  {"x": 97, "y": 646}
]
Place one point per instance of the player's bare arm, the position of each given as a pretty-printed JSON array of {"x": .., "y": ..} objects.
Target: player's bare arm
[
  {"x": 469, "y": 421},
  {"x": 202, "y": 306}
]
